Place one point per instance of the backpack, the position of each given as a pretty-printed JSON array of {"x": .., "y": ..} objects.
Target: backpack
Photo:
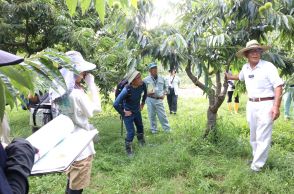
[
  {"x": 41, "y": 113},
  {"x": 120, "y": 86}
]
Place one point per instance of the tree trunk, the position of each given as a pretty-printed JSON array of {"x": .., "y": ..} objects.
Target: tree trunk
[
  {"x": 211, "y": 113},
  {"x": 215, "y": 96}
]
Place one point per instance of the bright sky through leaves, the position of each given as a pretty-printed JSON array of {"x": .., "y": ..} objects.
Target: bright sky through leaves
[{"x": 164, "y": 12}]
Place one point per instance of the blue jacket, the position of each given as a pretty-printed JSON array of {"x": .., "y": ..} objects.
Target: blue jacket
[
  {"x": 130, "y": 99},
  {"x": 4, "y": 185}
]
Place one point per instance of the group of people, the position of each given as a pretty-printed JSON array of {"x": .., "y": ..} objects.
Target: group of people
[
  {"x": 152, "y": 90},
  {"x": 264, "y": 89}
]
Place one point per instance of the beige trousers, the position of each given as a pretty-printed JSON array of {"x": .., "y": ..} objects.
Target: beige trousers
[{"x": 79, "y": 173}]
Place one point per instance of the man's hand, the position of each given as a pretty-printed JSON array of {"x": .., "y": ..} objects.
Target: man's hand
[
  {"x": 141, "y": 107},
  {"x": 127, "y": 113},
  {"x": 275, "y": 112},
  {"x": 227, "y": 75}
]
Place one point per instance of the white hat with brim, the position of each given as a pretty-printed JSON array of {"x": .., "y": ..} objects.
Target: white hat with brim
[
  {"x": 81, "y": 65},
  {"x": 133, "y": 75},
  {"x": 252, "y": 44}
]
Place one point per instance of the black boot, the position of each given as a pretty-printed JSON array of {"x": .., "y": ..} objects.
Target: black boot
[
  {"x": 141, "y": 140},
  {"x": 129, "y": 148},
  {"x": 75, "y": 191}
]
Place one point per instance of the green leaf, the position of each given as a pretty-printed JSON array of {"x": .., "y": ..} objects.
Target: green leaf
[
  {"x": 17, "y": 76},
  {"x": 85, "y": 5},
  {"x": 100, "y": 8},
  {"x": 72, "y": 5},
  {"x": 125, "y": 3},
  {"x": 285, "y": 20},
  {"x": 110, "y": 3},
  {"x": 2, "y": 100},
  {"x": 134, "y": 3}
]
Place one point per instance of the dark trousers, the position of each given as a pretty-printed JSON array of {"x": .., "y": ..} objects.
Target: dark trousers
[
  {"x": 129, "y": 121},
  {"x": 172, "y": 100},
  {"x": 230, "y": 95}
]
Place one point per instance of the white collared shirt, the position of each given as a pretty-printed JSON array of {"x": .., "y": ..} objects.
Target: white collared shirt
[{"x": 261, "y": 80}]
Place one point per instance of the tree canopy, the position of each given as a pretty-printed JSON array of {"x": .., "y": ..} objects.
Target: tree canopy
[{"x": 117, "y": 35}]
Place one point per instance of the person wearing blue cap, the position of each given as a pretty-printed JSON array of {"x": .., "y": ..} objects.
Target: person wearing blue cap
[{"x": 156, "y": 90}]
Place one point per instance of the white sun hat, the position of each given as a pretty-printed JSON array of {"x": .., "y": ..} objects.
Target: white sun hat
[
  {"x": 133, "y": 75},
  {"x": 252, "y": 44},
  {"x": 80, "y": 64}
]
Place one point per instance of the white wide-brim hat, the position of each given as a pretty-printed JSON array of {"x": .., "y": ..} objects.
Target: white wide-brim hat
[
  {"x": 80, "y": 63},
  {"x": 133, "y": 75},
  {"x": 252, "y": 44}
]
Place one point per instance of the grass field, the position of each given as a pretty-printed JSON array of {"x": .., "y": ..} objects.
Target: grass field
[{"x": 181, "y": 161}]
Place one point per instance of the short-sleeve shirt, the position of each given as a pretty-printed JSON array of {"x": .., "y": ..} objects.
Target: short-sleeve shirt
[{"x": 261, "y": 80}]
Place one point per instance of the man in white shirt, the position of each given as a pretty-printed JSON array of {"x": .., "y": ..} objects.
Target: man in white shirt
[{"x": 264, "y": 89}]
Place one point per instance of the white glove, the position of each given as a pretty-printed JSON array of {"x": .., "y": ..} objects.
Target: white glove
[
  {"x": 93, "y": 91},
  {"x": 89, "y": 80}
]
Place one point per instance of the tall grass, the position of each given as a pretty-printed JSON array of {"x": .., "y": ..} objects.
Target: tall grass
[{"x": 180, "y": 161}]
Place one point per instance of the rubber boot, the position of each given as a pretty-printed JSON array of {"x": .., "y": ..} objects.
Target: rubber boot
[
  {"x": 236, "y": 108},
  {"x": 129, "y": 148},
  {"x": 141, "y": 139},
  {"x": 230, "y": 107},
  {"x": 75, "y": 191}
]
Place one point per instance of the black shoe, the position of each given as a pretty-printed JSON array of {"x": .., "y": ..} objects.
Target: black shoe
[{"x": 75, "y": 191}]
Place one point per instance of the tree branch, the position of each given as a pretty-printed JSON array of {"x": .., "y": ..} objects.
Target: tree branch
[{"x": 188, "y": 70}]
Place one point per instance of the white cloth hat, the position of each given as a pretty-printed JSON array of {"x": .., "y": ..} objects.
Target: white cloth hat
[
  {"x": 133, "y": 75},
  {"x": 252, "y": 44},
  {"x": 80, "y": 64}
]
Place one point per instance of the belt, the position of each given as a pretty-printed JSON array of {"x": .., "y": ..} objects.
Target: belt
[
  {"x": 261, "y": 99},
  {"x": 157, "y": 98}
]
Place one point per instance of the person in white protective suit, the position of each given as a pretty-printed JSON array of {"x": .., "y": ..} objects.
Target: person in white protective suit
[{"x": 79, "y": 106}]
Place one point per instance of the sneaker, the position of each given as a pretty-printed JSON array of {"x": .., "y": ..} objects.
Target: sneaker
[
  {"x": 153, "y": 132},
  {"x": 255, "y": 169}
]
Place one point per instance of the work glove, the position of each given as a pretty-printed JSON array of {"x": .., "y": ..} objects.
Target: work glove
[
  {"x": 93, "y": 91},
  {"x": 20, "y": 157},
  {"x": 89, "y": 80}
]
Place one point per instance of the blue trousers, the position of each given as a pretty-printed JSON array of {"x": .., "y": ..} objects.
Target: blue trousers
[{"x": 129, "y": 121}]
